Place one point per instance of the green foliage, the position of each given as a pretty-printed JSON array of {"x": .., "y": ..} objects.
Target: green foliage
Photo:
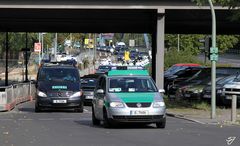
[
  {"x": 173, "y": 57},
  {"x": 232, "y": 4}
]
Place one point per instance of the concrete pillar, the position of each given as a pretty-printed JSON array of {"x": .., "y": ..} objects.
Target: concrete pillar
[{"x": 159, "y": 76}]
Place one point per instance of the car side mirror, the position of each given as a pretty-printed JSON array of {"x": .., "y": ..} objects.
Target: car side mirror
[
  {"x": 100, "y": 91},
  {"x": 161, "y": 91}
]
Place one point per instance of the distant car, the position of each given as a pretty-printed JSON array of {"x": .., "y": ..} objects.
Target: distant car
[
  {"x": 103, "y": 48},
  {"x": 120, "y": 56},
  {"x": 77, "y": 45},
  {"x": 103, "y": 69},
  {"x": 58, "y": 86},
  {"x": 88, "y": 84},
  {"x": 133, "y": 55},
  {"x": 143, "y": 55},
  {"x": 206, "y": 95}
]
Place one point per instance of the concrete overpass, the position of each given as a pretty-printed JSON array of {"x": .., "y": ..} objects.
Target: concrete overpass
[{"x": 125, "y": 16}]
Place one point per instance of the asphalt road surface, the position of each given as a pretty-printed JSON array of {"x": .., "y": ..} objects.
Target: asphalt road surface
[{"x": 24, "y": 127}]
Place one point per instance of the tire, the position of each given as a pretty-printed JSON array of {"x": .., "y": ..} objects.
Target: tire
[
  {"x": 95, "y": 121},
  {"x": 161, "y": 124},
  {"x": 106, "y": 122},
  {"x": 80, "y": 108},
  {"x": 37, "y": 108}
]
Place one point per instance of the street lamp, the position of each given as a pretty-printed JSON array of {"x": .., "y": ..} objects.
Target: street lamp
[
  {"x": 42, "y": 42},
  {"x": 213, "y": 58}
]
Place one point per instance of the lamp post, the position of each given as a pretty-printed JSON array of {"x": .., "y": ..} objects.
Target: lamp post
[
  {"x": 42, "y": 43},
  {"x": 213, "y": 58}
]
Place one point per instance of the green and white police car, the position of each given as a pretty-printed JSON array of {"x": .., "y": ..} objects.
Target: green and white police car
[{"x": 127, "y": 94}]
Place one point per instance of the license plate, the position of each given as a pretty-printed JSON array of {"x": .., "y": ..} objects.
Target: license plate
[
  {"x": 172, "y": 96},
  {"x": 139, "y": 112},
  {"x": 187, "y": 95},
  {"x": 89, "y": 97},
  {"x": 59, "y": 101},
  {"x": 207, "y": 96}
]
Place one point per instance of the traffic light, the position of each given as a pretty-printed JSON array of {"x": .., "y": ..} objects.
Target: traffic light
[{"x": 207, "y": 45}]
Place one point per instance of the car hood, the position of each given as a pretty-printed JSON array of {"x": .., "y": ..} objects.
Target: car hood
[
  {"x": 48, "y": 86},
  {"x": 136, "y": 97}
]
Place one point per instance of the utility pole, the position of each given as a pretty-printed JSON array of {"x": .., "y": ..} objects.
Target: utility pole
[{"x": 213, "y": 58}]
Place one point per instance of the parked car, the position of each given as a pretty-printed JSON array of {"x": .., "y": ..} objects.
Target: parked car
[
  {"x": 206, "y": 95},
  {"x": 198, "y": 77},
  {"x": 195, "y": 90},
  {"x": 180, "y": 76},
  {"x": 177, "y": 67},
  {"x": 231, "y": 88}
]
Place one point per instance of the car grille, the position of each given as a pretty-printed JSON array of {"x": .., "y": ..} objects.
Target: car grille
[
  {"x": 60, "y": 94},
  {"x": 139, "y": 105},
  {"x": 137, "y": 118},
  {"x": 231, "y": 89}
]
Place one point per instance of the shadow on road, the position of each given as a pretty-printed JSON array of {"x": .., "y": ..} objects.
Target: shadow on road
[{"x": 118, "y": 125}]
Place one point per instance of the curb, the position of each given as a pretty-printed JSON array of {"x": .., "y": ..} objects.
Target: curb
[
  {"x": 199, "y": 122},
  {"x": 184, "y": 118}
]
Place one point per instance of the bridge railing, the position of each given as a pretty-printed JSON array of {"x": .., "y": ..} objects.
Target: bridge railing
[{"x": 12, "y": 95}]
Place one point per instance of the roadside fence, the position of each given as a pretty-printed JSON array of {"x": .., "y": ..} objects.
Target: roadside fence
[{"x": 12, "y": 95}]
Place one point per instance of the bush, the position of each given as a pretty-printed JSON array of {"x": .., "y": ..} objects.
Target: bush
[{"x": 173, "y": 56}]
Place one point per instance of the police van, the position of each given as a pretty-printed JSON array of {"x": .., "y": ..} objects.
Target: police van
[
  {"x": 58, "y": 86},
  {"x": 127, "y": 94}
]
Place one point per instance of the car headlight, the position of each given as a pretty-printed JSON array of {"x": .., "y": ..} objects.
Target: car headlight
[
  {"x": 116, "y": 104},
  {"x": 158, "y": 104},
  {"x": 77, "y": 94},
  {"x": 219, "y": 91},
  {"x": 197, "y": 91},
  {"x": 41, "y": 94}
]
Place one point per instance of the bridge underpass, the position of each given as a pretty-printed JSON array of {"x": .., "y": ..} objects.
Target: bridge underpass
[{"x": 155, "y": 18}]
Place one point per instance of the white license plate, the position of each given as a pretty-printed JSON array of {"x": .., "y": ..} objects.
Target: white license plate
[
  {"x": 140, "y": 112},
  {"x": 89, "y": 97},
  {"x": 187, "y": 95},
  {"x": 207, "y": 96},
  {"x": 59, "y": 101},
  {"x": 172, "y": 96}
]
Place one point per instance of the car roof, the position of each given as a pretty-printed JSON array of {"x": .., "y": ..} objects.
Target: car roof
[
  {"x": 187, "y": 64},
  {"x": 128, "y": 73}
]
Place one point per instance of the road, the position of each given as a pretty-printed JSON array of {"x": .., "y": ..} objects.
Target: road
[{"x": 24, "y": 127}]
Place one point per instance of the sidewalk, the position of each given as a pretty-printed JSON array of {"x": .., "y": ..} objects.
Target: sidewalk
[{"x": 223, "y": 116}]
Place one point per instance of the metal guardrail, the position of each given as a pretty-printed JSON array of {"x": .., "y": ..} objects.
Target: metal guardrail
[{"x": 12, "y": 95}]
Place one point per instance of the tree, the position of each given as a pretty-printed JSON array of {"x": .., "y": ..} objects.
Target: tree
[{"x": 231, "y": 4}]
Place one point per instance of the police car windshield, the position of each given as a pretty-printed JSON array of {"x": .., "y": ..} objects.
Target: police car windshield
[
  {"x": 131, "y": 84},
  {"x": 58, "y": 74}
]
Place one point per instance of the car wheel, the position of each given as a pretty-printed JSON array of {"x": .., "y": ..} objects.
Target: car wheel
[
  {"x": 161, "y": 124},
  {"x": 80, "y": 108},
  {"x": 95, "y": 121},
  {"x": 106, "y": 121},
  {"x": 37, "y": 108}
]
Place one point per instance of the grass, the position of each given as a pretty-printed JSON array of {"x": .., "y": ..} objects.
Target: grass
[{"x": 183, "y": 104}]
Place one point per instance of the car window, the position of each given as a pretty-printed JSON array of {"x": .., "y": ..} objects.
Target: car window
[
  {"x": 131, "y": 84},
  {"x": 59, "y": 74}
]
